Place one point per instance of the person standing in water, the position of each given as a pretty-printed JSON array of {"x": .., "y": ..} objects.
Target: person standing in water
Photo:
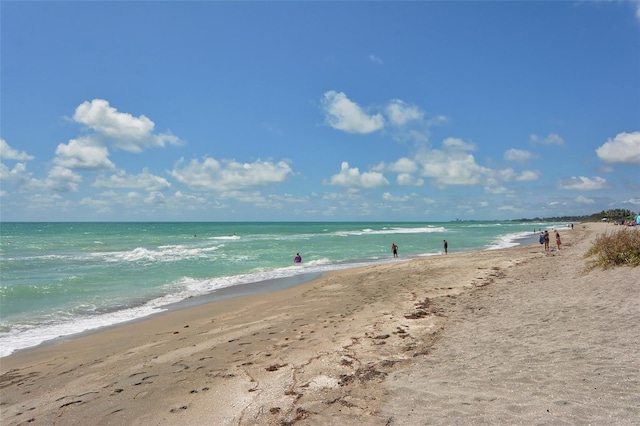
[
  {"x": 298, "y": 258},
  {"x": 446, "y": 246},
  {"x": 394, "y": 249}
]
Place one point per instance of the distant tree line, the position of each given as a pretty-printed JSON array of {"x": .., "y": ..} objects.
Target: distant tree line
[{"x": 613, "y": 214}]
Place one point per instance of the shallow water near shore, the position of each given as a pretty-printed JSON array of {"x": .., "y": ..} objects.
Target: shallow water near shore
[{"x": 60, "y": 279}]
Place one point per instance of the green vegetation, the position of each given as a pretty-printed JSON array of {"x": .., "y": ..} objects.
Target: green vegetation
[
  {"x": 619, "y": 248},
  {"x": 612, "y": 214}
]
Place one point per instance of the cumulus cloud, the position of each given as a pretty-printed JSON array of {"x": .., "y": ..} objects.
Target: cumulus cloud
[
  {"x": 59, "y": 179},
  {"x": 387, "y": 196},
  {"x": 144, "y": 180},
  {"x": 582, "y": 183},
  {"x": 123, "y": 130},
  {"x": 584, "y": 200},
  {"x": 83, "y": 153},
  {"x": 343, "y": 114},
  {"x": 402, "y": 121},
  {"x": 8, "y": 153},
  {"x": 528, "y": 175},
  {"x": 400, "y": 113},
  {"x": 517, "y": 155},
  {"x": 497, "y": 190},
  {"x": 351, "y": 177},
  {"x": 550, "y": 139},
  {"x": 403, "y": 165},
  {"x": 229, "y": 175},
  {"x": 623, "y": 149},
  {"x": 452, "y": 165},
  {"x": 406, "y": 179}
]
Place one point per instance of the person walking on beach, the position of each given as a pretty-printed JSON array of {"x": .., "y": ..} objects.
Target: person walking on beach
[
  {"x": 546, "y": 240},
  {"x": 558, "y": 242},
  {"x": 446, "y": 246},
  {"x": 394, "y": 249}
]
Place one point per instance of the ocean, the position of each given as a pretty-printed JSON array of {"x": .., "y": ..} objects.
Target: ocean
[{"x": 60, "y": 279}]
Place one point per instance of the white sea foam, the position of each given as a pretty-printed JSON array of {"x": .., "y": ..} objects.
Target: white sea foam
[
  {"x": 508, "y": 240},
  {"x": 66, "y": 324},
  {"x": 391, "y": 231},
  {"x": 132, "y": 277},
  {"x": 168, "y": 253},
  {"x": 25, "y": 336}
]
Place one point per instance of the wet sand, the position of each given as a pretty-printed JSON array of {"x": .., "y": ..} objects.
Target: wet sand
[{"x": 513, "y": 336}]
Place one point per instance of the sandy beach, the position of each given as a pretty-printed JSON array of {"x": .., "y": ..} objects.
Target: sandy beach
[{"x": 511, "y": 336}]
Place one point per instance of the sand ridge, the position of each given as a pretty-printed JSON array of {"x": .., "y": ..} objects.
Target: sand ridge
[{"x": 491, "y": 337}]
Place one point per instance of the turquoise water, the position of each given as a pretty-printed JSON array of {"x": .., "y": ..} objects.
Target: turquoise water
[{"x": 59, "y": 279}]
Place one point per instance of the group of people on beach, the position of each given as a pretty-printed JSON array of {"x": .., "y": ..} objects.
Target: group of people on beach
[
  {"x": 394, "y": 250},
  {"x": 545, "y": 239}
]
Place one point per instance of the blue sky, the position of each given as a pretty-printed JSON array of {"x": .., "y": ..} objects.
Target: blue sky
[{"x": 318, "y": 111}]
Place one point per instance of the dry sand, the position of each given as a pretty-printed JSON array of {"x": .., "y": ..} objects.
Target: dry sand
[{"x": 515, "y": 336}]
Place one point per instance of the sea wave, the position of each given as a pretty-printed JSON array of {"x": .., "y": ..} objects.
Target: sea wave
[
  {"x": 391, "y": 231},
  {"x": 26, "y": 335},
  {"x": 168, "y": 253},
  {"x": 508, "y": 240}
]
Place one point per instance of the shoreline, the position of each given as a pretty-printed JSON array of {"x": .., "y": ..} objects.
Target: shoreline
[
  {"x": 380, "y": 344},
  {"x": 219, "y": 295},
  {"x": 251, "y": 287}
]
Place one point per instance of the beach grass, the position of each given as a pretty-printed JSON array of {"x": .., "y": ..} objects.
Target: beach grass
[{"x": 619, "y": 248}]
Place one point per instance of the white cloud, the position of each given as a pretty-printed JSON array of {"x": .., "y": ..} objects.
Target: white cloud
[
  {"x": 17, "y": 175},
  {"x": 453, "y": 169},
  {"x": 125, "y": 131},
  {"x": 509, "y": 209},
  {"x": 504, "y": 175},
  {"x": 59, "y": 179},
  {"x": 351, "y": 177},
  {"x": 8, "y": 153},
  {"x": 550, "y": 139},
  {"x": 497, "y": 190},
  {"x": 83, "y": 154},
  {"x": 343, "y": 114},
  {"x": 400, "y": 113},
  {"x": 437, "y": 120},
  {"x": 100, "y": 206},
  {"x": 155, "y": 199},
  {"x": 624, "y": 149},
  {"x": 144, "y": 180},
  {"x": 455, "y": 144},
  {"x": 387, "y": 196},
  {"x": 582, "y": 183},
  {"x": 584, "y": 200},
  {"x": 517, "y": 155},
  {"x": 228, "y": 175},
  {"x": 528, "y": 175},
  {"x": 403, "y": 165},
  {"x": 374, "y": 58},
  {"x": 407, "y": 179},
  {"x": 452, "y": 166}
]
